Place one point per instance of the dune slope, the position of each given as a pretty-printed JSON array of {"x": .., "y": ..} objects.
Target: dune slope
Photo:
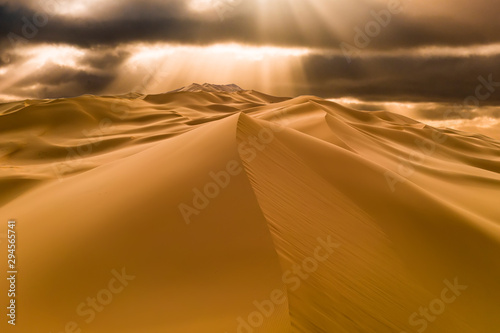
[{"x": 227, "y": 210}]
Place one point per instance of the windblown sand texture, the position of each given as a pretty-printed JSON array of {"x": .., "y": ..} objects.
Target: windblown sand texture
[{"x": 107, "y": 183}]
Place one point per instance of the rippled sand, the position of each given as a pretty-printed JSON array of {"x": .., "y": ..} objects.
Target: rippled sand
[{"x": 235, "y": 211}]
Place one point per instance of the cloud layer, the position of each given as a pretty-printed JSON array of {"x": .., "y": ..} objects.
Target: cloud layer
[{"x": 407, "y": 52}]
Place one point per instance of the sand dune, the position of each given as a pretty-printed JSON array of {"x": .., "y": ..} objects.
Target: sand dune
[{"x": 217, "y": 209}]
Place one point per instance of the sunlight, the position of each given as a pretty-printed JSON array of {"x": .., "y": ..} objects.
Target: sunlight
[
  {"x": 229, "y": 51},
  {"x": 480, "y": 122},
  {"x": 75, "y": 8},
  {"x": 39, "y": 58},
  {"x": 250, "y": 66},
  {"x": 58, "y": 55},
  {"x": 255, "y": 53},
  {"x": 202, "y": 5}
]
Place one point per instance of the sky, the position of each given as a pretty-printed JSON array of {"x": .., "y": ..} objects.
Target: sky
[{"x": 433, "y": 60}]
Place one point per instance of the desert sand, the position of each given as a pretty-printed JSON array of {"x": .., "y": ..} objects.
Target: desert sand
[{"x": 217, "y": 209}]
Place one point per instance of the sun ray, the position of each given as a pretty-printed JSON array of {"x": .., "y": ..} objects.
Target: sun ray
[{"x": 255, "y": 67}]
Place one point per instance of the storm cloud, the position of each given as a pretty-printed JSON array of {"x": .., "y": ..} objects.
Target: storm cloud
[{"x": 375, "y": 51}]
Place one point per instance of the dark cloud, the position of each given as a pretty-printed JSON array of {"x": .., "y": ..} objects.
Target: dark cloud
[
  {"x": 403, "y": 78},
  {"x": 285, "y": 23},
  {"x": 94, "y": 72},
  {"x": 105, "y": 59},
  {"x": 109, "y": 27},
  {"x": 60, "y": 81},
  {"x": 136, "y": 22}
]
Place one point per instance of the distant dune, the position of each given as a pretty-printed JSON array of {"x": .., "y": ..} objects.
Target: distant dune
[{"x": 217, "y": 209}]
